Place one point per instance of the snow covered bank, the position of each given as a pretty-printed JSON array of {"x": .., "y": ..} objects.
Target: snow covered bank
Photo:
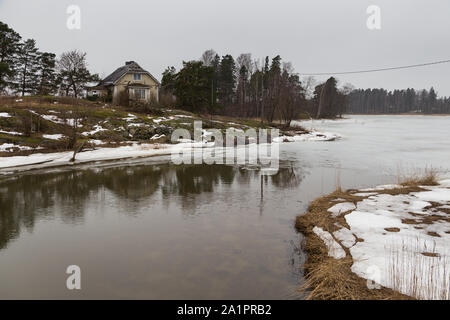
[
  {"x": 394, "y": 236},
  {"x": 135, "y": 150},
  {"x": 311, "y": 136},
  {"x": 406, "y": 240}
]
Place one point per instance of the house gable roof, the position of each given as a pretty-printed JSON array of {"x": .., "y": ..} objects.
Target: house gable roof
[{"x": 129, "y": 67}]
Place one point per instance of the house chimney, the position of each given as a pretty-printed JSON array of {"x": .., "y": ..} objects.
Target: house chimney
[{"x": 129, "y": 62}]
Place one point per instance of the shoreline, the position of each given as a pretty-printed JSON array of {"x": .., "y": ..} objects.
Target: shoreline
[
  {"x": 45, "y": 132},
  {"x": 134, "y": 151},
  {"x": 363, "y": 244}
]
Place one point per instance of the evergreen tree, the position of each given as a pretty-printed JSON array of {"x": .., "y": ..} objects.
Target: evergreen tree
[
  {"x": 27, "y": 78},
  {"x": 215, "y": 64},
  {"x": 9, "y": 47},
  {"x": 193, "y": 86},
  {"x": 398, "y": 101},
  {"x": 273, "y": 88},
  {"x": 432, "y": 99},
  {"x": 47, "y": 74},
  {"x": 331, "y": 102},
  {"x": 168, "y": 80},
  {"x": 227, "y": 79}
]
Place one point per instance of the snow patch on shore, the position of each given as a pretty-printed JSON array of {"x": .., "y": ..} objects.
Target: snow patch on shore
[
  {"x": 410, "y": 252},
  {"x": 339, "y": 208},
  {"x": 53, "y": 136},
  {"x": 334, "y": 248},
  {"x": 136, "y": 150},
  {"x": 312, "y": 136},
  {"x": 9, "y": 147}
]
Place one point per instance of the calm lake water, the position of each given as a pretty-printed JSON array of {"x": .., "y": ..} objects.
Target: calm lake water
[{"x": 148, "y": 230}]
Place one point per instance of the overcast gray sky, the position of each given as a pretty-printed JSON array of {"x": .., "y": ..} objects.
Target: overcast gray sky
[{"x": 315, "y": 35}]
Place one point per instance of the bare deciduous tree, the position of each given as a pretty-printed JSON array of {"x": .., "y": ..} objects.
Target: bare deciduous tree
[
  {"x": 208, "y": 57},
  {"x": 309, "y": 83},
  {"x": 245, "y": 60},
  {"x": 73, "y": 72}
]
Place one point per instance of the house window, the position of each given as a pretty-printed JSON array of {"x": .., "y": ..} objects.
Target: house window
[
  {"x": 137, "y": 76},
  {"x": 139, "y": 94}
]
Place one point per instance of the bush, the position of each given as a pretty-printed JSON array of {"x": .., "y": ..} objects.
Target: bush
[
  {"x": 92, "y": 98},
  {"x": 152, "y": 108},
  {"x": 167, "y": 99}
]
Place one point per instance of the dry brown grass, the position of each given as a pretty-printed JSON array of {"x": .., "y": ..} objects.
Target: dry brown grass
[
  {"x": 427, "y": 178},
  {"x": 417, "y": 269},
  {"x": 328, "y": 278}
]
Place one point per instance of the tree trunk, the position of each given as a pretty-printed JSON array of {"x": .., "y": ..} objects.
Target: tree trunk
[{"x": 322, "y": 100}]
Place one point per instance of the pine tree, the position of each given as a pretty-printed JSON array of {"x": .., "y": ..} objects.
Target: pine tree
[
  {"x": 27, "y": 78},
  {"x": 331, "y": 102},
  {"x": 273, "y": 88},
  {"x": 168, "y": 80},
  {"x": 193, "y": 86},
  {"x": 216, "y": 79},
  {"x": 9, "y": 47},
  {"x": 227, "y": 79},
  {"x": 47, "y": 74},
  {"x": 432, "y": 98}
]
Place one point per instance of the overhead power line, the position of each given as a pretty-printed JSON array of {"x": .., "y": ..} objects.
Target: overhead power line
[{"x": 377, "y": 70}]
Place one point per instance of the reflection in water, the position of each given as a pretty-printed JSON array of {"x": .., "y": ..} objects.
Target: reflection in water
[{"x": 25, "y": 199}]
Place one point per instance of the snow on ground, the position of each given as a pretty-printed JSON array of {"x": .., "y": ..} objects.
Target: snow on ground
[
  {"x": 14, "y": 133},
  {"x": 35, "y": 161},
  {"x": 383, "y": 187},
  {"x": 364, "y": 194},
  {"x": 182, "y": 116},
  {"x": 334, "y": 249},
  {"x": 135, "y": 150},
  {"x": 233, "y": 129},
  {"x": 157, "y": 136},
  {"x": 404, "y": 239},
  {"x": 9, "y": 147},
  {"x": 41, "y": 160},
  {"x": 53, "y": 136},
  {"x": 56, "y": 119},
  {"x": 312, "y": 136},
  {"x": 130, "y": 117},
  {"x": 136, "y": 124},
  {"x": 96, "y": 142},
  {"x": 97, "y": 128},
  {"x": 5, "y": 147},
  {"x": 342, "y": 207},
  {"x": 162, "y": 119},
  {"x": 345, "y": 236},
  {"x": 4, "y": 115}
]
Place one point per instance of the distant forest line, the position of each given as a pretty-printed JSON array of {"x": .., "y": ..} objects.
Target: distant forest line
[{"x": 381, "y": 101}]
